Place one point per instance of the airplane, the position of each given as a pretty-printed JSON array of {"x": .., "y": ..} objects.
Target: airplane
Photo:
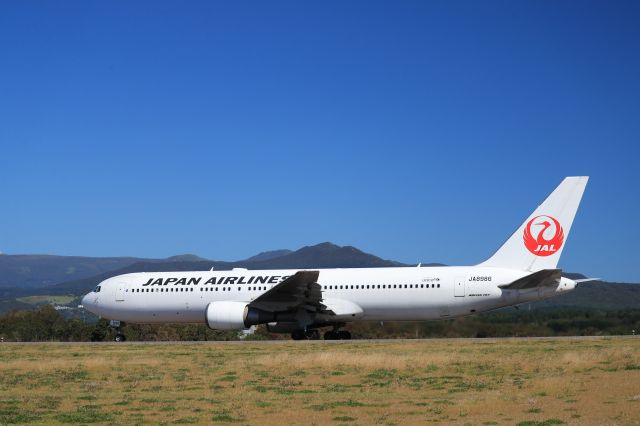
[{"x": 300, "y": 302}]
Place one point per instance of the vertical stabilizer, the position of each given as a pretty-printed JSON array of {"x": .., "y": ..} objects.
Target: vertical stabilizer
[{"x": 539, "y": 241}]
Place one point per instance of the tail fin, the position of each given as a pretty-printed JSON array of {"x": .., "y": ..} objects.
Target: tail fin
[{"x": 538, "y": 242}]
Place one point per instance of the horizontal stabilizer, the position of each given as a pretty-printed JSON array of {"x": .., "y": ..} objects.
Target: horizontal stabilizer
[
  {"x": 544, "y": 278},
  {"x": 586, "y": 280}
]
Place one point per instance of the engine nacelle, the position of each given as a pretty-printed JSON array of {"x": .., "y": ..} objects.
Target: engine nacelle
[{"x": 228, "y": 315}]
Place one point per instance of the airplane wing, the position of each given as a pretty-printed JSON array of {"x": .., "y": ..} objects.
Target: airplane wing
[
  {"x": 300, "y": 290},
  {"x": 543, "y": 278}
]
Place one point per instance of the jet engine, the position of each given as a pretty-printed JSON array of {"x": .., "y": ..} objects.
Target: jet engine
[{"x": 228, "y": 315}]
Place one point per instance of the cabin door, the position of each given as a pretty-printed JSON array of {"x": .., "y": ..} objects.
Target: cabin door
[{"x": 120, "y": 289}]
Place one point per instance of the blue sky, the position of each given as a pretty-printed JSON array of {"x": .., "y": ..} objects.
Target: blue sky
[{"x": 416, "y": 131}]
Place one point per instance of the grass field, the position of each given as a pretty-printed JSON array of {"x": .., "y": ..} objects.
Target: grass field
[
  {"x": 477, "y": 382},
  {"x": 36, "y": 300}
]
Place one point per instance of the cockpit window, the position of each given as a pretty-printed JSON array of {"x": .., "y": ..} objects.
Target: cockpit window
[{"x": 97, "y": 290}]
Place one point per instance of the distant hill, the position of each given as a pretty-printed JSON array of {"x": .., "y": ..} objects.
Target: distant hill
[
  {"x": 325, "y": 255},
  {"x": 33, "y": 271},
  {"x": 60, "y": 275},
  {"x": 185, "y": 258},
  {"x": 267, "y": 255},
  {"x": 28, "y": 272},
  {"x": 596, "y": 295}
]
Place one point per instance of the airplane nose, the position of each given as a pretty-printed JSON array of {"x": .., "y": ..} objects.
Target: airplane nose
[{"x": 89, "y": 302}]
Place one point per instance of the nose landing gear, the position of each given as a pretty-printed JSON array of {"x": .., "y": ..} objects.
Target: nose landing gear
[{"x": 116, "y": 325}]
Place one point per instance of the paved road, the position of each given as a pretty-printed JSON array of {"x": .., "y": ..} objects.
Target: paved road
[{"x": 338, "y": 342}]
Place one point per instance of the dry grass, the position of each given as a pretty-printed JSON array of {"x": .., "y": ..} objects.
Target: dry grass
[{"x": 409, "y": 382}]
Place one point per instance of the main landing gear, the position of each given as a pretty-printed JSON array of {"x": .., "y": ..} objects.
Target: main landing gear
[
  {"x": 313, "y": 334},
  {"x": 116, "y": 325},
  {"x": 337, "y": 335},
  {"x": 306, "y": 335}
]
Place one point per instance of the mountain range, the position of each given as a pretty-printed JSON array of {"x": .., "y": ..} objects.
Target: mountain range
[{"x": 28, "y": 275}]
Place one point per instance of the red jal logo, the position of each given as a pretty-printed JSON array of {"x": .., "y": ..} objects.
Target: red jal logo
[{"x": 539, "y": 245}]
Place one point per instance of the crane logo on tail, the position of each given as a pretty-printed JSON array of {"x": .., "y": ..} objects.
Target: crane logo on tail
[{"x": 537, "y": 233}]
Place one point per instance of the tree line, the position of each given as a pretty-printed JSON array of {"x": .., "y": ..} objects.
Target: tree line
[{"x": 47, "y": 324}]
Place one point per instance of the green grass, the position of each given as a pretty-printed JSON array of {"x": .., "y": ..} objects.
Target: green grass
[
  {"x": 409, "y": 382},
  {"x": 38, "y": 300}
]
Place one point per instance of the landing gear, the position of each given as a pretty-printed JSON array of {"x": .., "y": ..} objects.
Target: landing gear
[
  {"x": 337, "y": 335},
  {"x": 331, "y": 335},
  {"x": 312, "y": 335},
  {"x": 305, "y": 335},
  {"x": 115, "y": 324}
]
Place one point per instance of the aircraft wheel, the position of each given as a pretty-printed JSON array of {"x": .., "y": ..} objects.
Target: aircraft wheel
[
  {"x": 298, "y": 335},
  {"x": 312, "y": 335},
  {"x": 120, "y": 338},
  {"x": 331, "y": 335},
  {"x": 343, "y": 335}
]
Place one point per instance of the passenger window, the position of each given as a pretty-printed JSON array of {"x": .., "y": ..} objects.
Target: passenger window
[{"x": 438, "y": 285}]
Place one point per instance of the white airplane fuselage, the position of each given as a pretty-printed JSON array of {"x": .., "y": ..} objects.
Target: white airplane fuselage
[{"x": 402, "y": 293}]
